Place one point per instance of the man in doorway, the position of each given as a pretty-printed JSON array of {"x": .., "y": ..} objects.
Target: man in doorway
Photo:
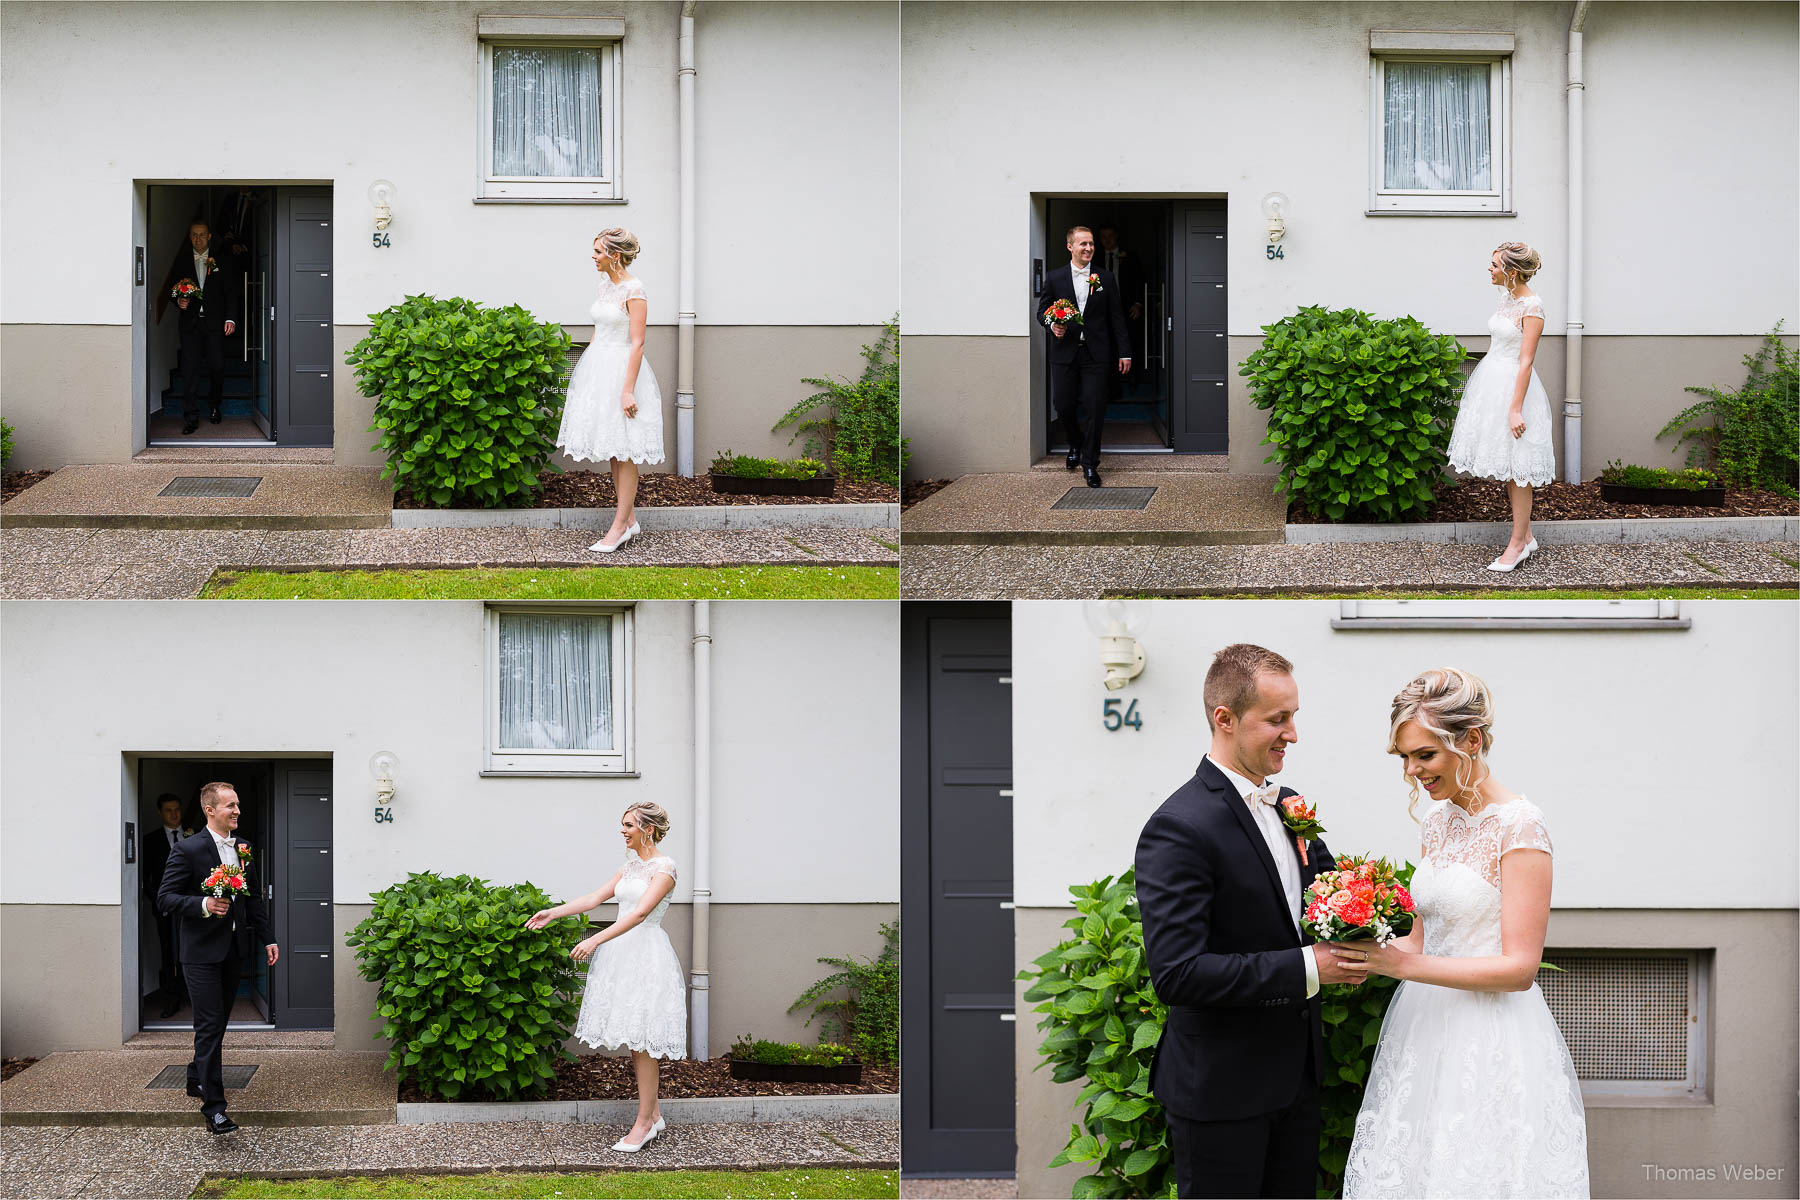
[
  {"x": 1111, "y": 255},
  {"x": 157, "y": 843},
  {"x": 204, "y": 323},
  {"x": 1084, "y": 354},
  {"x": 217, "y": 935}
]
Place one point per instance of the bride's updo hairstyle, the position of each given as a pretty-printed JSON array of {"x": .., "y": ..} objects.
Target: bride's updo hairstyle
[
  {"x": 652, "y": 817},
  {"x": 1519, "y": 261},
  {"x": 624, "y": 244},
  {"x": 1447, "y": 703}
]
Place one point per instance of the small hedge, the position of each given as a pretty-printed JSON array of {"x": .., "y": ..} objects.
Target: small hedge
[
  {"x": 468, "y": 400},
  {"x": 782, "y": 1054},
  {"x": 1748, "y": 435},
  {"x": 868, "y": 1014},
  {"x": 745, "y": 466},
  {"x": 1691, "y": 480},
  {"x": 1102, "y": 1021},
  {"x": 1360, "y": 410},
  {"x": 472, "y": 1000},
  {"x": 856, "y": 426}
]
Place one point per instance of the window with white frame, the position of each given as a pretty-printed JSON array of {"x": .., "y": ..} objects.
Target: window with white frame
[
  {"x": 558, "y": 690},
  {"x": 549, "y": 128},
  {"x": 1440, "y": 134}
]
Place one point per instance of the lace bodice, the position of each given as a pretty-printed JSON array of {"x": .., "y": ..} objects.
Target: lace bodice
[
  {"x": 1506, "y": 331},
  {"x": 612, "y": 323},
  {"x": 634, "y": 881},
  {"x": 1457, "y": 884}
]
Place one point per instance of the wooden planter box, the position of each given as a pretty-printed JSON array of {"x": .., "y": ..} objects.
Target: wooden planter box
[
  {"x": 850, "y": 1072},
  {"x": 1618, "y": 493},
  {"x": 818, "y": 485}
]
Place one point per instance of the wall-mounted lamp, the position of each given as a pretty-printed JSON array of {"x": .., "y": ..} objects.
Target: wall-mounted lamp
[
  {"x": 381, "y": 195},
  {"x": 1118, "y": 624},
  {"x": 1274, "y": 207},
  {"x": 382, "y": 767}
]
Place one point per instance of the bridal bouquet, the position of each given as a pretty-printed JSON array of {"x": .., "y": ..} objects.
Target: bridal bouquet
[
  {"x": 1361, "y": 899},
  {"x": 226, "y": 882},
  {"x": 187, "y": 289},
  {"x": 1061, "y": 313}
]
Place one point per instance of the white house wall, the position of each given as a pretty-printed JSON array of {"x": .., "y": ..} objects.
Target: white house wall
[{"x": 1624, "y": 739}]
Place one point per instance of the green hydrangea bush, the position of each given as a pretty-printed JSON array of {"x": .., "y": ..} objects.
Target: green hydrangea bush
[
  {"x": 472, "y": 1001},
  {"x": 468, "y": 400},
  {"x": 1360, "y": 410}
]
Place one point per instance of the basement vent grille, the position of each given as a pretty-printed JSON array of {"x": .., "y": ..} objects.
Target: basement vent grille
[
  {"x": 176, "y": 1076},
  {"x": 211, "y": 488},
  {"x": 1105, "y": 499},
  {"x": 1630, "y": 1018}
]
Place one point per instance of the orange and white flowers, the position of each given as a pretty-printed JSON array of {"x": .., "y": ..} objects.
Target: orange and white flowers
[
  {"x": 186, "y": 289},
  {"x": 226, "y": 882},
  {"x": 1301, "y": 820},
  {"x": 1093, "y": 283},
  {"x": 1061, "y": 312},
  {"x": 1361, "y": 900}
]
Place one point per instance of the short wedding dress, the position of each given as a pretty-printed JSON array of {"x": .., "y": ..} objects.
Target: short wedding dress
[
  {"x": 594, "y": 426},
  {"x": 1482, "y": 443},
  {"x": 636, "y": 998},
  {"x": 1472, "y": 1093}
]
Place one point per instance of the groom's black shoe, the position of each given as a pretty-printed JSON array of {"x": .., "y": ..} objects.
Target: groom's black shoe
[
  {"x": 1092, "y": 475},
  {"x": 220, "y": 1123},
  {"x": 215, "y": 418},
  {"x": 188, "y": 426},
  {"x": 1073, "y": 461},
  {"x": 193, "y": 1089}
]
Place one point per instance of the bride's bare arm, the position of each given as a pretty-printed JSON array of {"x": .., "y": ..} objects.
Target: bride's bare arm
[
  {"x": 640, "y": 318},
  {"x": 660, "y": 885},
  {"x": 1524, "y": 918},
  {"x": 1532, "y": 328},
  {"x": 587, "y": 903}
]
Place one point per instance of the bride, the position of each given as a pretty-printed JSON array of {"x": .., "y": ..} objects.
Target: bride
[
  {"x": 635, "y": 996},
  {"x": 614, "y": 408},
  {"x": 1472, "y": 1092},
  {"x": 1503, "y": 424}
]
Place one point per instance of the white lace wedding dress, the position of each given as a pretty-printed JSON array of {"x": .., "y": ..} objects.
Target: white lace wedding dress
[
  {"x": 1472, "y": 1093},
  {"x": 636, "y": 998},
  {"x": 1482, "y": 443},
  {"x": 594, "y": 426}
]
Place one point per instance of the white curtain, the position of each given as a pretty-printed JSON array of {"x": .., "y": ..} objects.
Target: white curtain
[
  {"x": 555, "y": 682},
  {"x": 547, "y": 111},
  {"x": 1436, "y": 127}
]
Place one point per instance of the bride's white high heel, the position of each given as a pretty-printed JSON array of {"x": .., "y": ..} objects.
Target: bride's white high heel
[
  {"x": 602, "y": 548},
  {"x": 624, "y": 1147},
  {"x": 1527, "y": 552}
]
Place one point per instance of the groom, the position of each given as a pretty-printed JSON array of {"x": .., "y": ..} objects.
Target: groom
[
  {"x": 1219, "y": 883},
  {"x": 1085, "y": 355},
  {"x": 217, "y": 935}
]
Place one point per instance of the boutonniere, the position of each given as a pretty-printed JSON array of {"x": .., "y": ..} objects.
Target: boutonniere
[
  {"x": 212, "y": 264},
  {"x": 1301, "y": 820},
  {"x": 1093, "y": 283},
  {"x": 244, "y": 855}
]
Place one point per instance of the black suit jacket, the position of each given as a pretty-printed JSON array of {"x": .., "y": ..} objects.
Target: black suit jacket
[
  {"x": 155, "y": 858},
  {"x": 1102, "y": 322},
  {"x": 220, "y": 299},
  {"x": 207, "y": 939},
  {"x": 1221, "y": 949}
]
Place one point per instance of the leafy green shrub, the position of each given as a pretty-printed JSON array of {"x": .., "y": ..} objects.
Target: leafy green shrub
[
  {"x": 1360, "y": 410},
  {"x": 858, "y": 429},
  {"x": 1103, "y": 1020},
  {"x": 1750, "y": 441},
  {"x": 468, "y": 400},
  {"x": 746, "y": 466},
  {"x": 473, "y": 1001},
  {"x": 6, "y": 442},
  {"x": 1690, "y": 480},
  {"x": 781, "y": 1054},
  {"x": 868, "y": 1016}
]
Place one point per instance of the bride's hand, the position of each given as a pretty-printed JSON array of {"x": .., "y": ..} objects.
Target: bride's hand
[
  {"x": 629, "y": 403},
  {"x": 1387, "y": 960},
  {"x": 1516, "y": 420},
  {"x": 539, "y": 919},
  {"x": 584, "y": 949}
]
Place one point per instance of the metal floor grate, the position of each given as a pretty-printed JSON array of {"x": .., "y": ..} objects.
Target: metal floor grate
[
  {"x": 176, "y": 1076},
  {"x": 212, "y": 487},
  {"x": 1115, "y": 499}
]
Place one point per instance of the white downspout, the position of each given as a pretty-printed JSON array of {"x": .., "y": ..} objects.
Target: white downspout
[
  {"x": 684, "y": 332},
  {"x": 699, "y": 980},
  {"x": 1577, "y": 90}
]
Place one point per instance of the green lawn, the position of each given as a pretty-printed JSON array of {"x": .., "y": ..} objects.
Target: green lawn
[
  {"x": 1667, "y": 593},
  {"x": 599, "y": 1185},
  {"x": 564, "y": 583}
]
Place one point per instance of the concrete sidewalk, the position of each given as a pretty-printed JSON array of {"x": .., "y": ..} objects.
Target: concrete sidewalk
[
  {"x": 126, "y": 496},
  {"x": 1188, "y": 508}
]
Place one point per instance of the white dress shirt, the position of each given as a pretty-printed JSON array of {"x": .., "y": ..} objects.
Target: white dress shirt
[
  {"x": 1080, "y": 275},
  {"x": 200, "y": 257},
  {"x": 227, "y": 848},
  {"x": 1287, "y": 862}
]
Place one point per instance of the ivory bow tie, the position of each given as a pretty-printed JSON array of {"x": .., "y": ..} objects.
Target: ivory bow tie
[{"x": 1267, "y": 794}]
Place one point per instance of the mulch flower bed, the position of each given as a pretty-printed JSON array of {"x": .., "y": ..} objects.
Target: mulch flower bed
[
  {"x": 1485, "y": 500},
  {"x": 662, "y": 489},
  {"x": 594, "y": 1077},
  {"x": 916, "y": 490},
  {"x": 11, "y": 484},
  {"x": 12, "y": 1066}
]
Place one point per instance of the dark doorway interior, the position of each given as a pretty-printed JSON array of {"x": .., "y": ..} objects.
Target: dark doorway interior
[{"x": 957, "y": 1110}]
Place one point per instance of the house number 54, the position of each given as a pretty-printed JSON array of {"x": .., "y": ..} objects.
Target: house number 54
[
  {"x": 383, "y": 815},
  {"x": 381, "y": 240},
  {"x": 1114, "y": 719}
]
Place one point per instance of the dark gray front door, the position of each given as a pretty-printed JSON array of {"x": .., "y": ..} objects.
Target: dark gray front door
[
  {"x": 301, "y": 908},
  {"x": 302, "y": 299},
  {"x": 1200, "y": 350},
  {"x": 956, "y": 714}
]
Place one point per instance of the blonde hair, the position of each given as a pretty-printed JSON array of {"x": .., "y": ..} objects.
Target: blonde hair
[
  {"x": 209, "y": 795},
  {"x": 1447, "y": 703},
  {"x": 620, "y": 242},
  {"x": 652, "y": 817},
  {"x": 1519, "y": 261},
  {"x": 1231, "y": 680}
]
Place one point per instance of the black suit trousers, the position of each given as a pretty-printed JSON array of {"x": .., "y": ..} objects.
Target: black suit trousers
[
  {"x": 1270, "y": 1154},
  {"x": 213, "y": 989},
  {"x": 197, "y": 344},
  {"x": 1080, "y": 389},
  {"x": 167, "y": 981}
]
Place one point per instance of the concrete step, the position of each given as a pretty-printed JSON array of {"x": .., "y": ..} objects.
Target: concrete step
[
  {"x": 1185, "y": 508},
  {"x": 236, "y": 455},
  {"x": 127, "y": 496},
  {"x": 1123, "y": 461}
]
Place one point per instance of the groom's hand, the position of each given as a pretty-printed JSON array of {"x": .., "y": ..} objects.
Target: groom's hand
[
  {"x": 274, "y": 952},
  {"x": 216, "y": 906},
  {"x": 1124, "y": 366},
  {"x": 1055, "y": 328},
  {"x": 1339, "y": 963}
]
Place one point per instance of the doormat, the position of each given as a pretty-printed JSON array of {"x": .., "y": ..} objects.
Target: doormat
[
  {"x": 210, "y": 487},
  {"x": 176, "y": 1076},
  {"x": 1089, "y": 499}
]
